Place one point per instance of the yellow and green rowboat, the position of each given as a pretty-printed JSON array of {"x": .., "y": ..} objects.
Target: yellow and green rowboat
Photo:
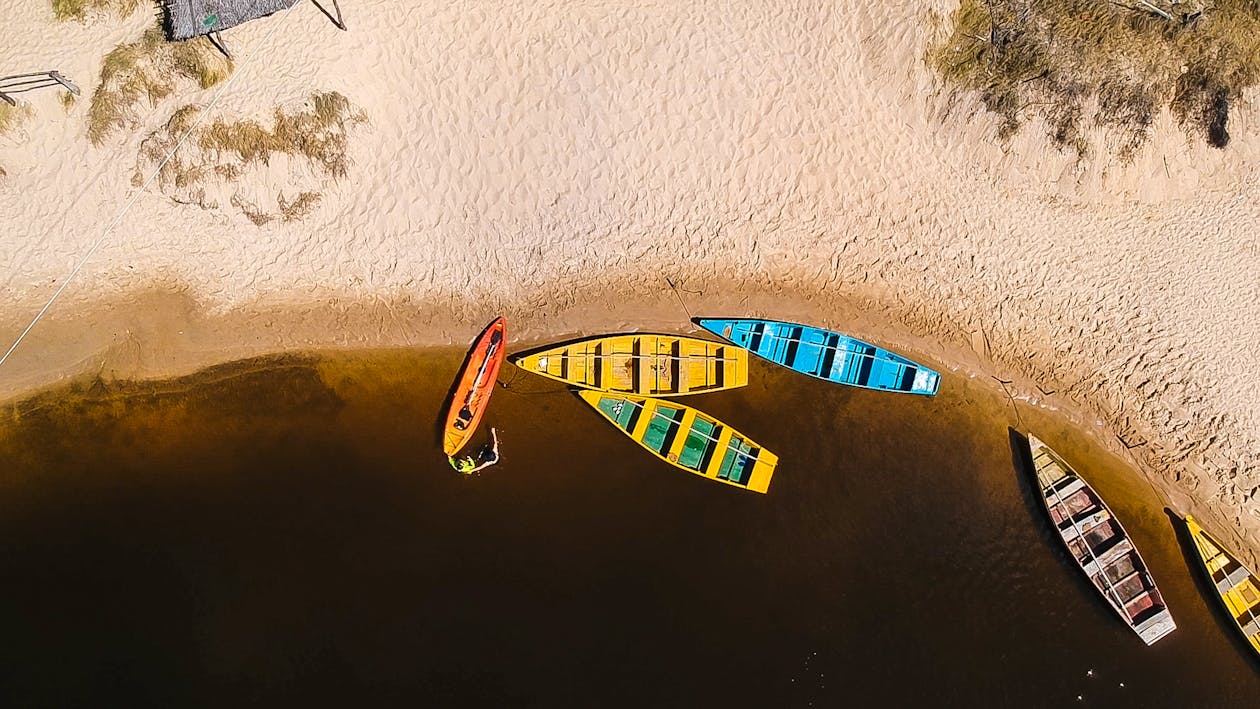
[
  {"x": 688, "y": 439},
  {"x": 644, "y": 364},
  {"x": 1237, "y": 586}
]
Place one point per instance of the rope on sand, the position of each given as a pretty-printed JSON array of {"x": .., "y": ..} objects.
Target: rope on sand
[{"x": 680, "y": 299}]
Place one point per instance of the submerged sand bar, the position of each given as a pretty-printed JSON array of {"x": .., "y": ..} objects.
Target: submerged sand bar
[{"x": 554, "y": 162}]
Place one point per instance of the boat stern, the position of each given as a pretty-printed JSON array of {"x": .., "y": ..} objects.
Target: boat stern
[
  {"x": 762, "y": 471},
  {"x": 1156, "y": 627},
  {"x": 925, "y": 382}
]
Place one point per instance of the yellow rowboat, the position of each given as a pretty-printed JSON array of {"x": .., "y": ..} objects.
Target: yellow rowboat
[
  {"x": 688, "y": 439},
  {"x": 645, "y": 364},
  {"x": 1237, "y": 586}
]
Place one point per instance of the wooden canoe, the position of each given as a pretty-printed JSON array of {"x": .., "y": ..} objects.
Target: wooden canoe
[
  {"x": 688, "y": 439},
  {"x": 1100, "y": 545},
  {"x": 826, "y": 355},
  {"x": 644, "y": 364},
  {"x": 476, "y": 384},
  {"x": 1235, "y": 584}
]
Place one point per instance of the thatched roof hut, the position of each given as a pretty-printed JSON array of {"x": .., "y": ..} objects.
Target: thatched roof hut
[{"x": 184, "y": 19}]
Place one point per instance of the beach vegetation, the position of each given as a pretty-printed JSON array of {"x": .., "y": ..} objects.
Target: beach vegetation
[
  {"x": 80, "y": 10},
  {"x": 252, "y": 211},
  {"x": 12, "y": 116},
  {"x": 148, "y": 69},
  {"x": 1114, "y": 65},
  {"x": 213, "y": 165},
  {"x": 287, "y": 211},
  {"x": 299, "y": 207},
  {"x": 317, "y": 132}
]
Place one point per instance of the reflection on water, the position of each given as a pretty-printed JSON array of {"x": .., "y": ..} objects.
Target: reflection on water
[{"x": 288, "y": 531}]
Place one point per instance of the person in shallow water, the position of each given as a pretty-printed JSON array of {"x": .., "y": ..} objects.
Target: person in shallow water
[{"x": 484, "y": 458}]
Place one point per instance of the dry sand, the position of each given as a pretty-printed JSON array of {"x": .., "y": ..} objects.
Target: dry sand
[{"x": 556, "y": 161}]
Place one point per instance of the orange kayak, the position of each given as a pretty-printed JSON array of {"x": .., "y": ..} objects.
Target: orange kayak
[{"x": 476, "y": 383}]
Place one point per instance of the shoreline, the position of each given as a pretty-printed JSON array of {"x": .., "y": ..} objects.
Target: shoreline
[
  {"x": 161, "y": 335},
  {"x": 798, "y": 162}
]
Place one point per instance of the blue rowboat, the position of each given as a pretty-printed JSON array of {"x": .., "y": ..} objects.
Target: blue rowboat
[{"x": 826, "y": 355}]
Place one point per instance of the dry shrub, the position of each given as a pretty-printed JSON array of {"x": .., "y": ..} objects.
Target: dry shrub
[
  {"x": 79, "y": 10},
  {"x": 288, "y": 211},
  {"x": 319, "y": 134},
  {"x": 211, "y": 167},
  {"x": 299, "y": 207},
  {"x": 150, "y": 68},
  {"x": 251, "y": 211},
  {"x": 1054, "y": 58},
  {"x": 12, "y": 116},
  {"x": 178, "y": 178}
]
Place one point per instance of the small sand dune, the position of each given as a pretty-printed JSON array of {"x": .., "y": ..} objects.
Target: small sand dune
[{"x": 557, "y": 161}]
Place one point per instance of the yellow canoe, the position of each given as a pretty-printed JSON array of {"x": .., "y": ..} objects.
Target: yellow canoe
[
  {"x": 688, "y": 439},
  {"x": 644, "y": 364},
  {"x": 1237, "y": 586}
]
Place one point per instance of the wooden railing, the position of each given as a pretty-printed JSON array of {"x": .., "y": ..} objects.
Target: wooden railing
[{"x": 19, "y": 83}]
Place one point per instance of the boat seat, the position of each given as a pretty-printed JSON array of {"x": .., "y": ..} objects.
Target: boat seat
[
  {"x": 1156, "y": 613},
  {"x": 1103, "y": 537},
  {"x": 1122, "y": 569},
  {"x": 1084, "y": 515},
  {"x": 908, "y": 375},
  {"x": 1066, "y": 487},
  {"x": 1106, "y": 555},
  {"x": 1131, "y": 591},
  {"x": 1234, "y": 578},
  {"x": 1139, "y": 603}
]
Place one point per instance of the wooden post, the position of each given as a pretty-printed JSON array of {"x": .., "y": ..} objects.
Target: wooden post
[
  {"x": 338, "y": 20},
  {"x": 217, "y": 40},
  {"x": 64, "y": 82},
  {"x": 18, "y": 83}
]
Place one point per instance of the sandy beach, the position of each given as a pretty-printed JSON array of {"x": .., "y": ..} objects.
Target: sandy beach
[{"x": 558, "y": 163}]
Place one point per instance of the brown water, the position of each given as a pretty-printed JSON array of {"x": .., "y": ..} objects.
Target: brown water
[{"x": 288, "y": 533}]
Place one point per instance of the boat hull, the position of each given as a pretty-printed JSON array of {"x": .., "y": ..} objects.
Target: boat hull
[
  {"x": 687, "y": 439},
  {"x": 475, "y": 385},
  {"x": 826, "y": 355},
  {"x": 643, "y": 364},
  {"x": 1100, "y": 545},
  {"x": 1237, "y": 587}
]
